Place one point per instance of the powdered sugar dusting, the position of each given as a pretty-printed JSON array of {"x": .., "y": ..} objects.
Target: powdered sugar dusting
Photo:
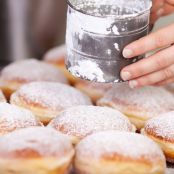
[
  {"x": 45, "y": 142},
  {"x": 89, "y": 70},
  {"x": 117, "y": 46},
  {"x": 162, "y": 126},
  {"x": 32, "y": 70},
  {"x": 115, "y": 30},
  {"x": 109, "y": 143},
  {"x": 55, "y": 54},
  {"x": 81, "y": 121},
  {"x": 13, "y": 117},
  {"x": 152, "y": 100},
  {"x": 51, "y": 95}
]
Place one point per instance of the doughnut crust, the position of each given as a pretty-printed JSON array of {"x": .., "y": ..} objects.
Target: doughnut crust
[
  {"x": 80, "y": 121},
  {"x": 94, "y": 90},
  {"x": 35, "y": 151},
  {"x": 118, "y": 153},
  {"x": 2, "y": 98},
  {"x": 22, "y": 72},
  {"x": 13, "y": 117},
  {"x": 47, "y": 99},
  {"x": 56, "y": 57},
  {"x": 139, "y": 105},
  {"x": 161, "y": 130}
]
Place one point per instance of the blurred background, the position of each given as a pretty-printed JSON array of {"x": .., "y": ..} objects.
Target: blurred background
[{"x": 28, "y": 28}]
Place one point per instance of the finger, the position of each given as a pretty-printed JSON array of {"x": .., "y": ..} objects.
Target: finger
[
  {"x": 155, "y": 16},
  {"x": 168, "y": 9},
  {"x": 157, "y": 5},
  {"x": 165, "y": 82},
  {"x": 170, "y": 2},
  {"x": 159, "y": 39},
  {"x": 153, "y": 78},
  {"x": 148, "y": 65}
]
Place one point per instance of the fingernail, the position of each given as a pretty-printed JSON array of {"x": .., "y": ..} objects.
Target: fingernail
[
  {"x": 133, "y": 84},
  {"x": 160, "y": 12},
  {"x": 125, "y": 75},
  {"x": 127, "y": 53}
]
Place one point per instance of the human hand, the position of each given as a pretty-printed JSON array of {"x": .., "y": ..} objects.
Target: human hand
[
  {"x": 161, "y": 8},
  {"x": 157, "y": 69}
]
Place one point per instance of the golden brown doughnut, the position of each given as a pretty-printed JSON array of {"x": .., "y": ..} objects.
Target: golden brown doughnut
[
  {"x": 47, "y": 99},
  {"x": 118, "y": 153},
  {"x": 80, "y": 121},
  {"x": 94, "y": 90},
  {"x": 35, "y": 151},
  {"x": 21, "y": 72},
  {"x": 13, "y": 117},
  {"x": 161, "y": 130},
  {"x": 140, "y": 104},
  {"x": 56, "y": 56}
]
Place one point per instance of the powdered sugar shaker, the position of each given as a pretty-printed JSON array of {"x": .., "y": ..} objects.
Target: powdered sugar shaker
[{"x": 97, "y": 32}]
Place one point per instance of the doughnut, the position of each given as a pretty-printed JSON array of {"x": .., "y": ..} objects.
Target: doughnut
[
  {"x": 2, "y": 97},
  {"x": 36, "y": 150},
  {"x": 139, "y": 104},
  {"x": 21, "y": 72},
  {"x": 47, "y": 99},
  {"x": 56, "y": 56},
  {"x": 170, "y": 88},
  {"x": 80, "y": 121},
  {"x": 161, "y": 130},
  {"x": 118, "y": 153},
  {"x": 13, "y": 118},
  {"x": 94, "y": 90}
]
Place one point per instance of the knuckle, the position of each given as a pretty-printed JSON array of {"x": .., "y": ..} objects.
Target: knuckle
[
  {"x": 160, "y": 62},
  {"x": 168, "y": 73},
  {"x": 159, "y": 40}
]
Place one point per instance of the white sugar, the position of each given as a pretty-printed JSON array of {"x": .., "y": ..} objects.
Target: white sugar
[
  {"x": 152, "y": 100},
  {"x": 162, "y": 126},
  {"x": 32, "y": 70},
  {"x": 131, "y": 145},
  {"x": 115, "y": 30},
  {"x": 81, "y": 121},
  {"x": 13, "y": 117},
  {"x": 51, "y": 95},
  {"x": 89, "y": 70},
  {"x": 117, "y": 46},
  {"x": 45, "y": 141}
]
